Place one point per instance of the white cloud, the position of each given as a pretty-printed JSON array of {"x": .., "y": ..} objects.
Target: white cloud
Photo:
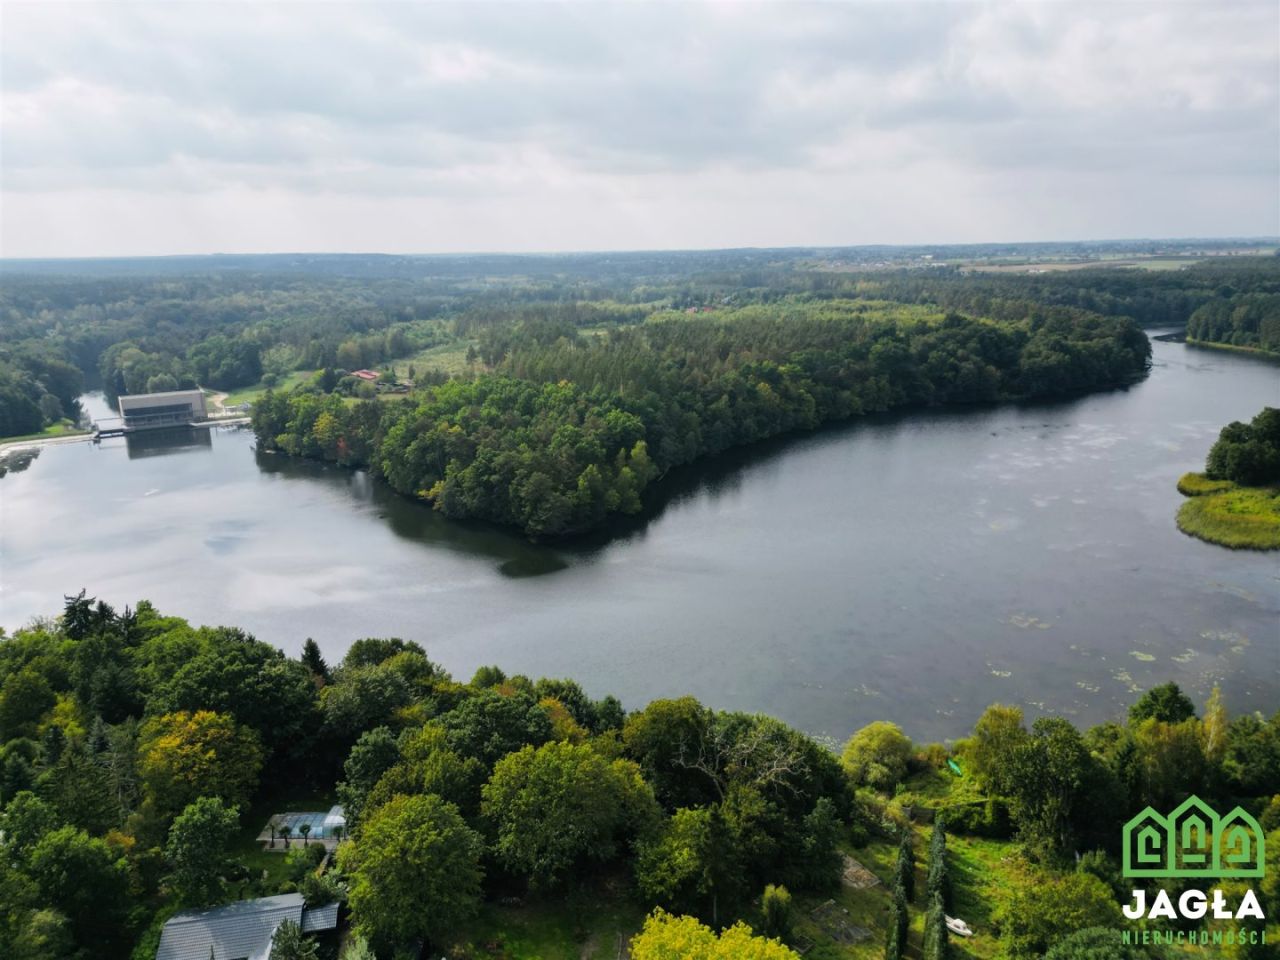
[{"x": 189, "y": 127}]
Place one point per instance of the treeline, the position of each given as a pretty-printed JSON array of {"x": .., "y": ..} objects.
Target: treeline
[
  {"x": 37, "y": 389},
  {"x": 136, "y": 748},
  {"x": 569, "y": 428},
  {"x": 1247, "y": 453},
  {"x": 1241, "y": 320}
]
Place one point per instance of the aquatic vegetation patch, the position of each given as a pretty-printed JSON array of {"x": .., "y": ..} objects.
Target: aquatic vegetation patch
[{"x": 1242, "y": 518}]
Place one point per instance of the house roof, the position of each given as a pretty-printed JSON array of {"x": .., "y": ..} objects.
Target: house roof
[{"x": 239, "y": 931}]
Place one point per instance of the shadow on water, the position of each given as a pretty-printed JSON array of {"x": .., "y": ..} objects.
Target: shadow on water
[
  {"x": 723, "y": 474},
  {"x": 710, "y": 478},
  {"x": 416, "y": 521}
]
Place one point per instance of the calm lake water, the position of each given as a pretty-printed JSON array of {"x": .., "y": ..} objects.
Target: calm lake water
[{"x": 914, "y": 567}]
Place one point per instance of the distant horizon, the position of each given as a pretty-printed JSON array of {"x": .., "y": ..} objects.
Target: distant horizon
[{"x": 1258, "y": 239}]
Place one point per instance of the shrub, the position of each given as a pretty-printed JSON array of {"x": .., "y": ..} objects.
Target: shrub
[{"x": 775, "y": 906}]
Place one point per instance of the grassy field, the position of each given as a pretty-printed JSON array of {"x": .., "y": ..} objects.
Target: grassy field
[
  {"x": 448, "y": 358},
  {"x": 249, "y": 394},
  {"x": 1245, "y": 518},
  {"x": 64, "y": 429}
]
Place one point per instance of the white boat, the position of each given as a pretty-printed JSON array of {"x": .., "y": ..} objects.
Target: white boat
[{"x": 959, "y": 927}]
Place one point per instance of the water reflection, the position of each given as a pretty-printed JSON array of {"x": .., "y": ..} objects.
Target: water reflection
[{"x": 168, "y": 441}]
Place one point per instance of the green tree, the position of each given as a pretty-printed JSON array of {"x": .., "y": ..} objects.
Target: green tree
[
  {"x": 692, "y": 866},
  {"x": 775, "y": 907},
  {"x": 185, "y": 755},
  {"x": 936, "y": 936},
  {"x": 288, "y": 943},
  {"x": 664, "y": 739},
  {"x": 997, "y": 736},
  {"x": 414, "y": 871},
  {"x": 373, "y": 755},
  {"x": 79, "y": 876},
  {"x": 25, "y": 697},
  {"x": 665, "y": 937},
  {"x": 904, "y": 871},
  {"x": 877, "y": 755},
  {"x": 899, "y": 923},
  {"x": 1050, "y": 775},
  {"x": 197, "y": 850},
  {"x": 1040, "y": 914},
  {"x": 561, "y": 803},
  {"x": 1165, "y": 702}
]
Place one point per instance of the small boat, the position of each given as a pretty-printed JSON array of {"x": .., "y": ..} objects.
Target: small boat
[
  {"x": 955, "y": 767},
  {"x": 959, "y": 927}
]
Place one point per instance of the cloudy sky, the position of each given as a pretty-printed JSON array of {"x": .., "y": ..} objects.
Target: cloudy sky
[{"x": 153, "y": 128}]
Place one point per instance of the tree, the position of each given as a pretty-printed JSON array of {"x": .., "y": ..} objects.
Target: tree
[
  {"x": 185, "y": 755},
  {"x": 197, "y": 850},
  {"x": 877, "y": 755},
  {"x": 358, "y": 949},
  {"x": 79, "y": 876},
  {"x": 26, "y": 818},
  {"x": 692, "y": 866},
  {"x": 490, "y": 725},
  {"x": 1041, "y": 914},
  {"x": 938, "y": 880},
  {"x": 904, "y": 871},
  {"x": 660, "y": 738},
  {"x": 1165, "y": 702},
  {"x": 25, "y": 697},
  {"x": 304, "y": 828},
  {"x": 373, "y": 755},
  {"x": 561, "y": 803},
  {"x": 936, "y": 937},
  {"x": 288, "y": 943},
  {"x": 665, "y": 937},
  {"x": 997, "y": 735},
  {"x": 1049, "y": 779},
  {"x": 314, "y": 662},
  {"x": 775, "y": 907},
  {"x": 414, "y": 871},
  {"x": 899, "y": 923}
]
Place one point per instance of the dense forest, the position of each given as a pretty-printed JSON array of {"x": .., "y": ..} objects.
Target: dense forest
[
  {"x": 224, "y": 323},
  {"x": 562, "y": 429},
  {"x": 141, "y": 756}
]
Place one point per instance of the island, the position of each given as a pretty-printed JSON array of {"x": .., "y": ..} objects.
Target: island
[{"x": 1235, "y": 502}]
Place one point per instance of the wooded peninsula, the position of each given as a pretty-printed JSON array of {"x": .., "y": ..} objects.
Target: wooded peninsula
[{"x": 549, "y": 393}]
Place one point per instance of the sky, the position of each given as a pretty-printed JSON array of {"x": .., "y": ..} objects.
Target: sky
[{"x": 146, "y": 128}]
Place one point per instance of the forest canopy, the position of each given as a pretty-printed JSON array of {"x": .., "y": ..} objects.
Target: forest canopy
[{"x": 139, "y": 756}]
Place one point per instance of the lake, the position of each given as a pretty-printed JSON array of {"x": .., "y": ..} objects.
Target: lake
[{"x": 913, "y": 567}]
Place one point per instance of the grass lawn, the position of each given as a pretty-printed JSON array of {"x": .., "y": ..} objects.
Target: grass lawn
[
  {"x": 1231, "y": 516},
  {"x": 249, "y": 394},
  {"x": 64, "y": 429},
  {"x": 448, "y": 358}
]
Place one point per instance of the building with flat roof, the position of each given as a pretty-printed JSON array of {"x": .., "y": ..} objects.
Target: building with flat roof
[
  {"x": 173, "y": 408},
  {"x": 239, "y": 931}
]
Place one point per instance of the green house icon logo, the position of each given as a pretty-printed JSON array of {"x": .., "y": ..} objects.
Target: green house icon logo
[{"x": 1193, "y": 841}]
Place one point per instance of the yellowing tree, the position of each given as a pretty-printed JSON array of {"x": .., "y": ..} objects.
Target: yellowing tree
[
  {"x": 665, "y": 937},
  {"x": 188, "y": 755}
]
